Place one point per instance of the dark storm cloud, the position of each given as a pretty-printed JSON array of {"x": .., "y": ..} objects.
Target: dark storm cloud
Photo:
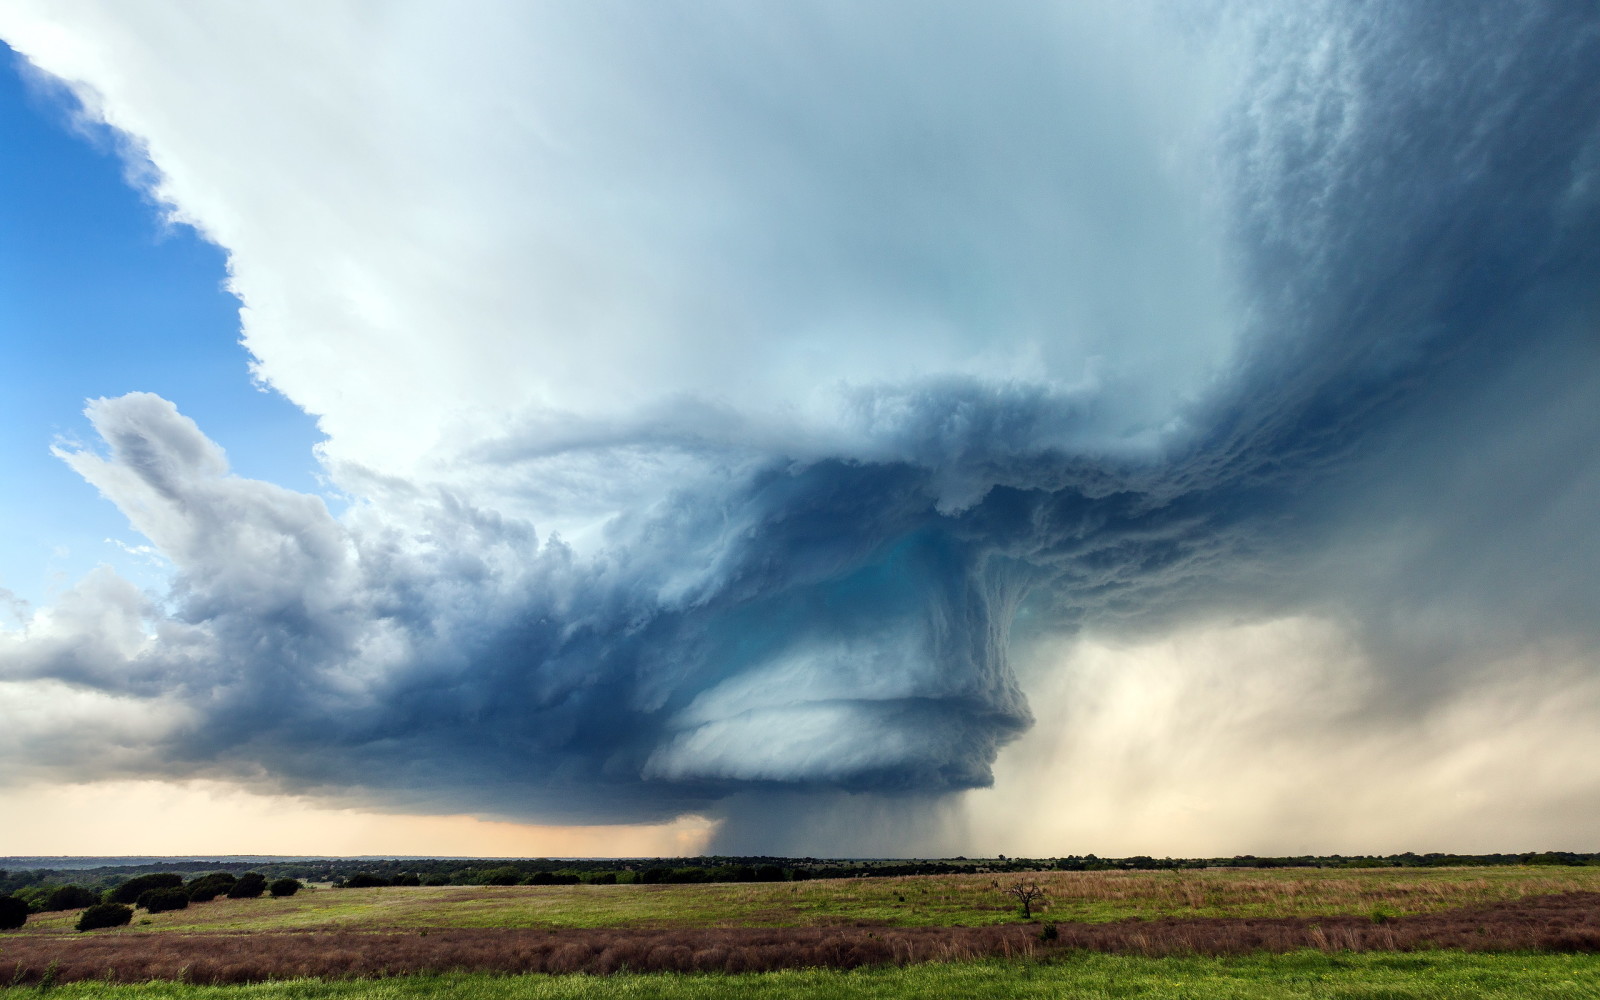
[{"x": 1407, "y": 431}]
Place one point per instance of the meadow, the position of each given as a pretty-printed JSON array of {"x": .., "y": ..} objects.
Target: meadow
[
  {"x": 910, "y": 901},
  {"x": 1514, "y": 931}
]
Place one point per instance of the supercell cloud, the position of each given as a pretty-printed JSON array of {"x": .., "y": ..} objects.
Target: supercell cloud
[{"x": 719, "y": 397}]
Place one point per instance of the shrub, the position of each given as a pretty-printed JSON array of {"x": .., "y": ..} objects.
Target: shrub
[
  {"x": 436, "y": 880},
  {"x": 505, "y": 876},
  {"x": 13, "y": 913},
  {"x": 285, "y": 887},
  {"x": 104, "y": 915},
  {"x": 205, "y": 888},
  {"x": 603, "y": 878},
  {"x": 249, "y": 886},
  {"x": 162, "y": 900},
  {"x": 365, "y": 880},
  {"x": 406, "y": 878},
  {"x": 70, "y": 897},
  {"x": 131, "y": 890}
]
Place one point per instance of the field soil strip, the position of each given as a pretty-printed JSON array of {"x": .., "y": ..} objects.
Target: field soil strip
[
  {"x": 1563, "y": 923},
  {"x": 909, "y": 901}
]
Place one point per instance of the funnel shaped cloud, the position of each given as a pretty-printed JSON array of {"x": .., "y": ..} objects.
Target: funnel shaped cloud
[{"x": 718, "y": 396}]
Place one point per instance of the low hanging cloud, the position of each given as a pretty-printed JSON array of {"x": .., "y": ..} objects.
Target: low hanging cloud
[{"x": 718, "y": 397}]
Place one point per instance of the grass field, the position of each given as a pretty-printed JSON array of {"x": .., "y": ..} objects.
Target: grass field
[
  {"x": 1379, "y": 934},
  {"x": 916, "y": 901},
  {"x": 1422, "y": 976}
]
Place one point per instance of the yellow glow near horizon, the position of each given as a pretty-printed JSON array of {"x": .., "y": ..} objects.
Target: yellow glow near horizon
[
  {"x": 121, "y": 818},
  {"x": 1280, "y": 737}
]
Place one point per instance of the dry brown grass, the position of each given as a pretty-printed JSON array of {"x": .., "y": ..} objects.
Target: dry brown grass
[{"x": 1568, "y": 922}]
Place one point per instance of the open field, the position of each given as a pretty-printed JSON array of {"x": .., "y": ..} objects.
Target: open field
[
  {"x": 1568, "y": 923},
  {"x": 1277, "y": 933},
  {"x": 913, "y": 901},
  {"x": 1370, "y": 976}
]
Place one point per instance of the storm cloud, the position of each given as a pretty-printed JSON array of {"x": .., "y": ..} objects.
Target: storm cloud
[{"x": 717, "y": 403}]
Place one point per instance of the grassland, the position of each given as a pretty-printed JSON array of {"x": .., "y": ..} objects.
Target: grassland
[
  {"x": 914, "y": 901},
  {"x": 1370, "y": 933},
  {"x": 1427, "y": 976}
]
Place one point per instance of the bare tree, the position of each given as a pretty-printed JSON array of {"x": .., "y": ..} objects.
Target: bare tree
[{"x": 1027, "y": 894}]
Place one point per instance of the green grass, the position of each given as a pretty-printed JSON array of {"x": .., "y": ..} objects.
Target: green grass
[
  {"x": 928, "y": 900},
  {"x": 1423, "y": 976}
]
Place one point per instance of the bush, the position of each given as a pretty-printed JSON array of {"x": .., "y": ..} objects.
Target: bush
[
  {"x": 406, "y": 878},
  {"x": 436, "y": 880},
  {"x": 13, "y": 913},
  {"x": 131, "y": 890},
  {"x": 503, "y": 876},
  {"x": 285, "y": 887},
  {"x": 69, "y": 897},
  {"x": 104, "y": 915},
  {"x": 364, "y": 880},
  {"x": 249, "y": 886},
  {"x": 162, "y": 900},
  {"x": 205, "y": 888},
  {"x": 603, "y": 878}
]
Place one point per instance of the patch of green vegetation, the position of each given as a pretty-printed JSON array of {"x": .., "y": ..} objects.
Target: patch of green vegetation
[{"x": 1422, "y": 976}]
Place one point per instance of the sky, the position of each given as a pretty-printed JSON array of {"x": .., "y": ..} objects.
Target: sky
[{"x": 810, "y": 429}]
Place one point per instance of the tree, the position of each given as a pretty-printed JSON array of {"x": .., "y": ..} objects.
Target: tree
[
  {"x": 104, "y": 915},
  {"x": 70, "y": 897},
  {"x": 249, "y": 886},
  {"x": 131, "y": 890},
  {"x": 285, "y": 887},
  {"x": 162, "y": 900},
  {"x": 205, "y": 888},
  {"x": 364, "y": 880},
  {"x": 13, "y": 913},
  {"x": 505, "y": 876},
  {"x": 1026, "y": 893}
]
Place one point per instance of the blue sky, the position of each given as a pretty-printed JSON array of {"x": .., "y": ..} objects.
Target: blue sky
[
  {"x": 828, "y": 428},
  {"x": 100, "y": 296}
]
